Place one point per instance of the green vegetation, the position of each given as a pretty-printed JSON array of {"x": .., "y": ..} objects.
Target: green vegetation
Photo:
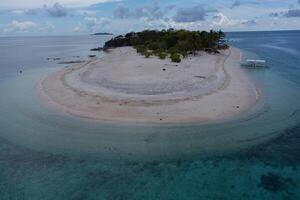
[
  {"x": 176, "y": 43},
  {"x": 175, "y": 57},
  {"x": 162, "y": 55},
  {"x": 147, "y": 54}
]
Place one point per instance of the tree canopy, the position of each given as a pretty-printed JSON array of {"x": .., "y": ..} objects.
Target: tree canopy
[{"x": 173, "y": 42}]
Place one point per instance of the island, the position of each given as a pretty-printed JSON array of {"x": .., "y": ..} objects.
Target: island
[
  {"x": 168, "y": 76},
  {"x": 103, "y": 34},
  {"x": 97, "y": 49},
  {"x": 170, "y": 43}
]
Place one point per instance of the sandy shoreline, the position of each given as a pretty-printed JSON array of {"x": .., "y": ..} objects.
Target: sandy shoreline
[{"x": 127, "y": 87}]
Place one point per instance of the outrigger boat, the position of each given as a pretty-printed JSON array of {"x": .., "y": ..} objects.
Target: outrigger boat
[{"x": 254, "y": 63}]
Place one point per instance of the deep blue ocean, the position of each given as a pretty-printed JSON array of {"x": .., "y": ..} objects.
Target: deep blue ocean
[{"x": 47, "y": 154}]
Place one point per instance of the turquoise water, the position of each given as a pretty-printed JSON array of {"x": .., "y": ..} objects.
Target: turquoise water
[{"x": 46, "y": 154}]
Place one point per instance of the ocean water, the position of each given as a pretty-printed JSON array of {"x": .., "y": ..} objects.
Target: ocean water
[{"x": 46, "y": 154}]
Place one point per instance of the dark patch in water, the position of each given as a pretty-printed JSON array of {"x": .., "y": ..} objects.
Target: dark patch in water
[
  {"x": 259, "y": 137},
  {"x": 295, "y": 112},
  {"x": 257, "y": 114},
  {"x": 284, "y": 149},
  {"x": 273, "y": 182},
  {"x": 20, "y": 157},
  {"x": 150, "y": 138}
]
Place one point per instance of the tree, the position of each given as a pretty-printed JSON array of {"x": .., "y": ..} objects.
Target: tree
[
  {"x": 175, "y": 57},
  {"x": 174, "y": 42}
]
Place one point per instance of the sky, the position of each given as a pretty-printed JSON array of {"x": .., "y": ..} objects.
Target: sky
[{"x": 80, "y": 17}]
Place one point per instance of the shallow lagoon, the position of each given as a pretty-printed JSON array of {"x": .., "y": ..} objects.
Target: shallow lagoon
[{"x": 47, "y": 154}]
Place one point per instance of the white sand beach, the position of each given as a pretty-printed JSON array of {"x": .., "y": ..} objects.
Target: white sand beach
[{"x": 124, "y": 86}]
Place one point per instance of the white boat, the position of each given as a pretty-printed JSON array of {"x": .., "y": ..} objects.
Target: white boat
[{"x": 255, "y": 63}]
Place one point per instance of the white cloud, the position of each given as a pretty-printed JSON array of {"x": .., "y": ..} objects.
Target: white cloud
[
  {"x": 167, "y": 23},
  {"x": 24, "y": 12},
  {"x": 17, "y": 12},
  {"x": 18, "y": 4},
  {"x": 48, "y": 27},
  {"x": 95, "y": 24},
  {"x": 220, "y": 20},
  {"x": 92, "y": 24},
  {"x": 86, "y": 13},
  {"x": 192, "y": 14},
  {"x": 57, "y": 10},
  {"x": 149, "y": 12},
  {"x": 19, "y": 26},
  {"x": 79, "y": 28}
]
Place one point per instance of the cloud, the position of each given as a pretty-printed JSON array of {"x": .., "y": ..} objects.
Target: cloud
[
  {"x": 25, "y": 12},
  {"x": 86, "y": 13},
  {"x": 172, "y": 7},
  {"x": 148, "y": 12},
  {"x": 94, "y": 24},
  {"x": 251, "y": 22},
  {"x": 292, "y": 13},
  {"x": 288, "y": 13},
  {"x": 235, "y": 4},
  {"x": 79, "y": 28},
  {"x": 23, "y": 4},
  {"x": 19, "y": 26},
  {"x": 57, "y": 10},
  {"x": 48, "y": 27},
  {"x": 17, "y": 12},
  {"x": 153, "y": 11},
  {"x": 220, "y": 20},
  {"x": 193, "y": 14},
  {"x": 238, "y": 3},
  {"x": 122, "y": 12},
  {"x": 274, "y": 14}
]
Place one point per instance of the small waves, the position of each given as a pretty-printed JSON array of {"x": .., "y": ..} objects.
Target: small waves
[{"x": 284, "y": 49}]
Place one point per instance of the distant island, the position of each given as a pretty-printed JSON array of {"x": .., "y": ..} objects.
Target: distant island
[
  {"x": 102, "y": 34},
  {"x": 97, "y": 49},
  {"x": 175, "y": 44}
]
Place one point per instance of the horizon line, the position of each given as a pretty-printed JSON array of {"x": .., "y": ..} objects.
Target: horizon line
[{"x": 92, "y": 34}]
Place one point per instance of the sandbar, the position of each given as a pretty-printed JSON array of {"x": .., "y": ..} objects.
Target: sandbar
[{"x": 127, "y": 87}]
